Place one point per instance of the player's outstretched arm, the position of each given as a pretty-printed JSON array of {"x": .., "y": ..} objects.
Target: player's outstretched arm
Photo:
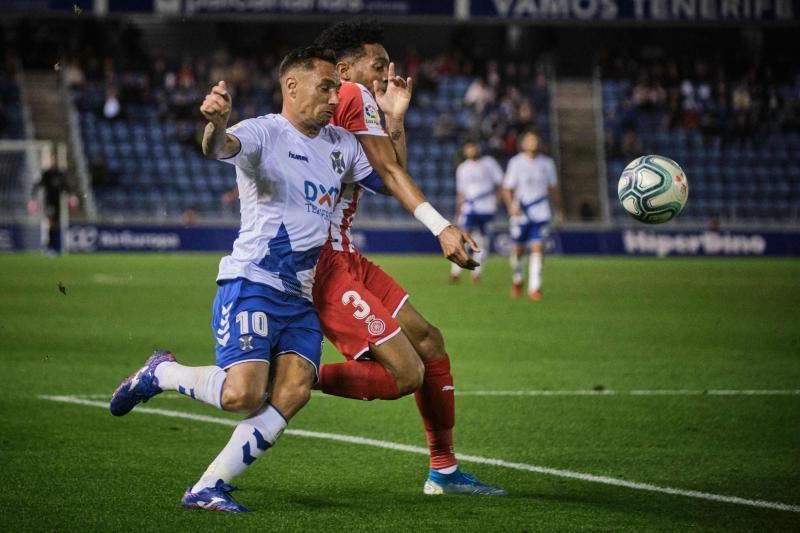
[
  {"x": 381, "y": 156},
  {"x": 216, "y": 107},
  {"x": 394, "y": 103},
  {"x": 511, "y": 205}
]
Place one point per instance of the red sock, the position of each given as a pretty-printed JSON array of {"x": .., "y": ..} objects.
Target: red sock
[
  {"x": 361, "y": 380},
  {"x": 436, "y": 404}
]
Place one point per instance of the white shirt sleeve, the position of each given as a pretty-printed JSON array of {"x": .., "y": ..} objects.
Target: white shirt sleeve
[
  {"x": 359, "y": 167},
  {"x": 254, "y": 138},
  {"x": 460, "y": 179},
  {"x": 512, "y": 178}
]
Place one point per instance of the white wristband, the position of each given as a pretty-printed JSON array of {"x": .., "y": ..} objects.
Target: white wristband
[{"x": 429, "y": 216}]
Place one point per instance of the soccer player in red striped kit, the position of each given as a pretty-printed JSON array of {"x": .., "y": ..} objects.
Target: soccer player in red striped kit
[{"x": 391, "y": 350}]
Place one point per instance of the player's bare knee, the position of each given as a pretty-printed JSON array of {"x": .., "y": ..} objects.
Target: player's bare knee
[{"x": 241, "y": 401}]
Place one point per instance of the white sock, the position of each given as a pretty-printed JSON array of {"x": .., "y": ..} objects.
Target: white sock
[
  {"x": 481, "y": 256},
  {"x": 251, "y": 438},
  {"x": 535, "y": 272},
  {"x": 202, "y": 383},
  {"x": 455, "y": 270},
  {"x": 448, "y": 470},
  {"x": 516, "y": 269}
]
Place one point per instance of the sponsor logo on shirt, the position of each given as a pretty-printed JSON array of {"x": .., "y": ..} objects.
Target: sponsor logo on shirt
[
  {"x": 319, "y": 197},
  {"x": 298, "y": 157},
  {"x": 371, "y": 116},
  {"x": 317, "y": 192}
]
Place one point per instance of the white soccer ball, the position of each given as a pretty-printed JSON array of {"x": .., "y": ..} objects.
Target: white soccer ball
[{"x": 653, "y": 189}]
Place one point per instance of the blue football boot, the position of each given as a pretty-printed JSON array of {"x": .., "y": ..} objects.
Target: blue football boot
[
  {"x": 458, "y": 483},
  {"x": 139, "y": 386},
  {"x": 216, "y": 498}
]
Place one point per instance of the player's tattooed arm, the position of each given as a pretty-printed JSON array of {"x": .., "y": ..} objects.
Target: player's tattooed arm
[
  {"x": 216, "y": 108},
  {"x": 394, "y": 101},
  {"x": 452, "y": 240},
  {"x": 397, "y": 134}
]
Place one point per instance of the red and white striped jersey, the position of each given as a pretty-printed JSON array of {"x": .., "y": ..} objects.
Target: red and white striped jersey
[{"x": 357, "y": 112}]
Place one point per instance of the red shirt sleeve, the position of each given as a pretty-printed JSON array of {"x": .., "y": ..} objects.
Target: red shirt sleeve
[{"x": 349, "y": 113}]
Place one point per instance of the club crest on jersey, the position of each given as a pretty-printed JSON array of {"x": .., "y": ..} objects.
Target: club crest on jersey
[
  {"x": 371, "y": 115},
  {"x": 337, "y": 161},
  {"x": 376, "y": 326},
  {"x": 246, "y": 343}
]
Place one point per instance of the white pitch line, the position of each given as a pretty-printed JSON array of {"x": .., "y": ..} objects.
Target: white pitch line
[
  {"x": 547, "y": 392},
  {"x": 609, "y": 392},
  {"x": 465, "y": 458}
]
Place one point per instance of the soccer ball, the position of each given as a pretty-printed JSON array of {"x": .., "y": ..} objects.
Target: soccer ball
[{"x": 653, "y": 189}]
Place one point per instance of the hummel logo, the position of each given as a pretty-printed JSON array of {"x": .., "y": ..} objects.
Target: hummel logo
[
  {"x": 215, "y": 500},
  {"x": 224, "y": 326},
  {"x": 448, "y": 388},
  {"x": 298, "y": 157}
]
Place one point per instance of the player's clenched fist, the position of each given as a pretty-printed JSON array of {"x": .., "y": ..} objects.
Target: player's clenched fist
[{"x": 217, "y": 105}]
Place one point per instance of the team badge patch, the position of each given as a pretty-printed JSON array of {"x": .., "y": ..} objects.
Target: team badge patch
[
  {"x": 246, "y": 343},
  {"x": 376, "y": 327},
  {"x": 337, "y": 161}
]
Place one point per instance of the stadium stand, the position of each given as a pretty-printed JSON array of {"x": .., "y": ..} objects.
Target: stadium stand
[
  {"x": 13, "y": 188},
  {"x": 141, "y": 131},
  {"x": 735, "y": 131},
  {"x": 11, "y": 124}
]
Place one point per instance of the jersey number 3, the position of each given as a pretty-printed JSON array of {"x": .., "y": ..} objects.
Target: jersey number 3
[{"x": 362, "y": 307}]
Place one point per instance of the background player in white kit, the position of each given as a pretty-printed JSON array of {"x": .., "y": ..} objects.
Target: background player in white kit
[
  {"x": 289, "y": 170},
  {"x": 530, "y": 183},
  {"x": 477, "y": 182}
]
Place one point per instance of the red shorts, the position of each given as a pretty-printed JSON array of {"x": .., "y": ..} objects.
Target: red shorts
[{"x": 356, "y": 301}]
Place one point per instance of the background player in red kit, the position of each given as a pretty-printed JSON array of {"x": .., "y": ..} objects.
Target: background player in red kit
[{"x": 391, "y": 349}]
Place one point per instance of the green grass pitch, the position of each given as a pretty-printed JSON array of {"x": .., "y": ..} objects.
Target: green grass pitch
[{"x": 618, "y": 324}]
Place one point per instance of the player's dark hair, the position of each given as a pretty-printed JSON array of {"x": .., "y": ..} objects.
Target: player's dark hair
[
  {"x": 531, "y": 131},
  {"x": 304, "y": 58},
  {"x": 347, "y": 39}
]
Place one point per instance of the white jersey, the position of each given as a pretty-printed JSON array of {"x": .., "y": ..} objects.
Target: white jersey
[
  {"x": 357, "y": 112},
  {"x": 529, "y": 179},
  {"x": 288, "y": 184},
  {"x": 477, "y": 182}
]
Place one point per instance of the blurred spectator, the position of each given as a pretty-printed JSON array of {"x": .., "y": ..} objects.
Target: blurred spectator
[
  {"x": 111, "y": 107},
  {"x": 102, "y": 177},
  {"x": 478, "y": 95},
  {"x": 54, "y": 182},
  {"x": 631, "y": 145},
  {"x": 444, "y": 129}
]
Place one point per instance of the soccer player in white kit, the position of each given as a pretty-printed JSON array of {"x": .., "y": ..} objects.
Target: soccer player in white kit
[
  {"x": 477, "y": 182},
  {"x": 529, "y": 185},
  {"x": 289, "y": 170}
]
